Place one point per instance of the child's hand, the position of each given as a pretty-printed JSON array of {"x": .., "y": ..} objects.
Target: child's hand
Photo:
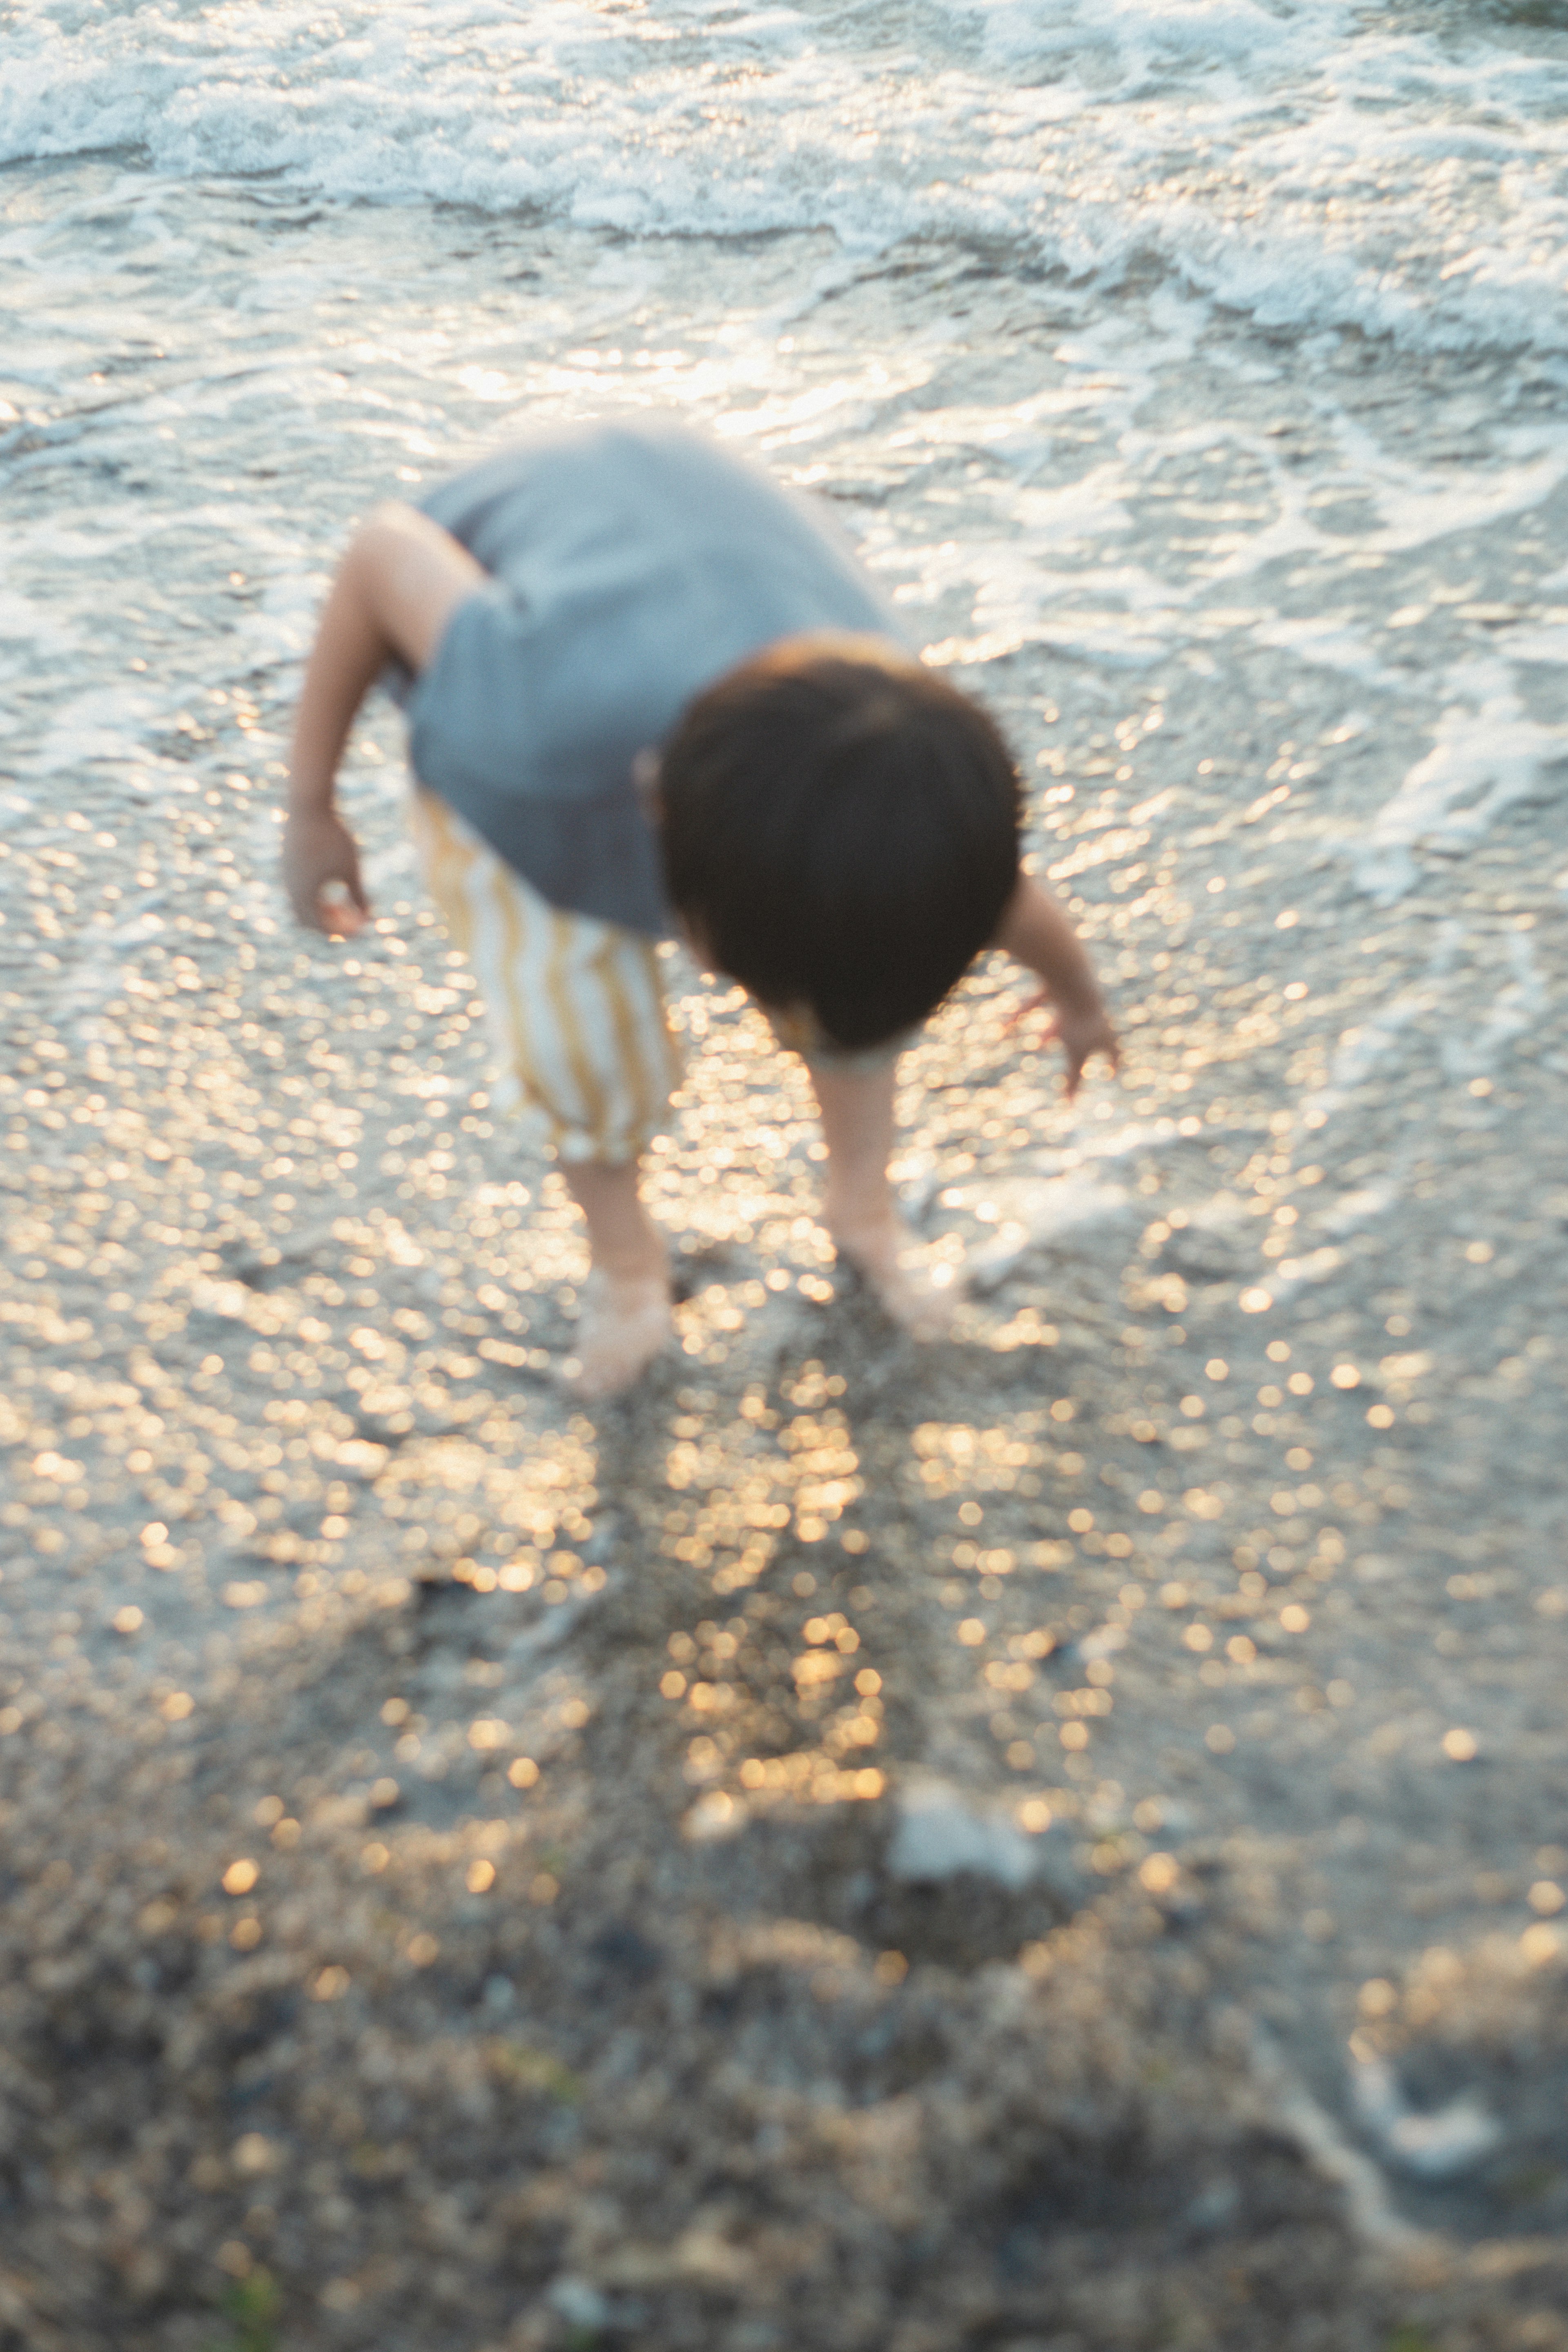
[
  {"x": 320, "y": 851},
  {"x": 1035, "y": 931},
  {"x": 1081, "y": 1028}
]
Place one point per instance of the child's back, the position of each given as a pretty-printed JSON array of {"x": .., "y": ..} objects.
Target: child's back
[{"x": 629, "y": 567}]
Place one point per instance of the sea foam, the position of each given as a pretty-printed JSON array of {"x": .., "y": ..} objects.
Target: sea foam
[{"x": 1297, "y": 165}]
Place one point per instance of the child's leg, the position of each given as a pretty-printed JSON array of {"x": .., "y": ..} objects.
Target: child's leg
[
  {"x": 858, "y": 1206},
  {"x": 626, "y": 1319},
  {"x": 577, "y": 1010},
  {"x": 628, "y": 1246},
  {"x": 856, "y": 1109}
]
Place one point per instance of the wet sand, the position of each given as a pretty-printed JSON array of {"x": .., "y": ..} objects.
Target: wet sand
[
  {"x": 1055, "y": 1839},
  {"x": 1041, "y": 1841}
]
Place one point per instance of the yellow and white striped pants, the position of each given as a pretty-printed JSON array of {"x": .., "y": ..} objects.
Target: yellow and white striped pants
[{"x": 575, "y": 1005}]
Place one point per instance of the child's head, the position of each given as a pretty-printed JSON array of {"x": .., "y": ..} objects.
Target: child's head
[{"x": 840, "y": 830}]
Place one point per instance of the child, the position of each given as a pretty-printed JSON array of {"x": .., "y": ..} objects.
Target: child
[{"x": 650, "y": 690}]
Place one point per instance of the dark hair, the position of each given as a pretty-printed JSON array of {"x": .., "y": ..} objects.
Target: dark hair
[{"x": 840, "y": 830}]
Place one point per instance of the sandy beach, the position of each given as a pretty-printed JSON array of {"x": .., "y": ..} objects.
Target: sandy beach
[
  {"x": 466, "y": 1885},
  {"x": 1051, "y": 1841}
]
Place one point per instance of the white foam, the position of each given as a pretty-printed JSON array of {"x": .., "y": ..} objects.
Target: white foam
[
  {"x": 1442, "y": 2145},
  {"x": 1329, "y": 641},
  {"x": 944, "y": 1832},
  {"x": 1291, "y": 162},
  {"x": 1362, "y": 1049},
  {"x": 1486, "y": 756},
  {"x": 1514, "y": 1013}
]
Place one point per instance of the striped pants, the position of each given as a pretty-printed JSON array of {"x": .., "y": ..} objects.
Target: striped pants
[{"x": 575, "y": 1005}]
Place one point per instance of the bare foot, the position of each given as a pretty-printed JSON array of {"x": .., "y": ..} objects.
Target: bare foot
[
  {"x": 625, "y": 1322},
  {"x": 921, "y": 1293}
]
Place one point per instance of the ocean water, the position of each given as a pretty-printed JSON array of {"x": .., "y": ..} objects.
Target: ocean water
[
  {"x": 1208, "y": 356},
  {"x": 1194, "y": 373}
]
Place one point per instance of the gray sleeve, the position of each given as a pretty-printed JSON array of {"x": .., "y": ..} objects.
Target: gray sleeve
[{"x": 466, "y": 728}]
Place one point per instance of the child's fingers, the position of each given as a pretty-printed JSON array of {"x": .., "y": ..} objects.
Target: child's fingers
[
  {"x": 1080, "y": 1057},
  {"x": 1040, "y": 1001},
  {"x": 340, "y": 918},
  {"x": 341, "y": 907},
  {"x": 322, "y": 874},
  {"x": 1079, "y": 1053}
]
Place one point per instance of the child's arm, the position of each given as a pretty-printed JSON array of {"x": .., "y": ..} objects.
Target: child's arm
[
  {"x": 397, "y": 587},
  {"x": 1035, "y": 931}
]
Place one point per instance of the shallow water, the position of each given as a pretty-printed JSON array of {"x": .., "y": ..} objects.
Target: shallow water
[
  {"x": 1194, "y": 375},
  {"x": 1216, "y": 350}
]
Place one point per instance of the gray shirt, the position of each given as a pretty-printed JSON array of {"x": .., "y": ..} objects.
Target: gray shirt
[{"x": 633, "y": 564}]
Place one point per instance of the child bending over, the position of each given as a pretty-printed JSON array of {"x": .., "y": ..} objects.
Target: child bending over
[{"x": 649, "y": 691}]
